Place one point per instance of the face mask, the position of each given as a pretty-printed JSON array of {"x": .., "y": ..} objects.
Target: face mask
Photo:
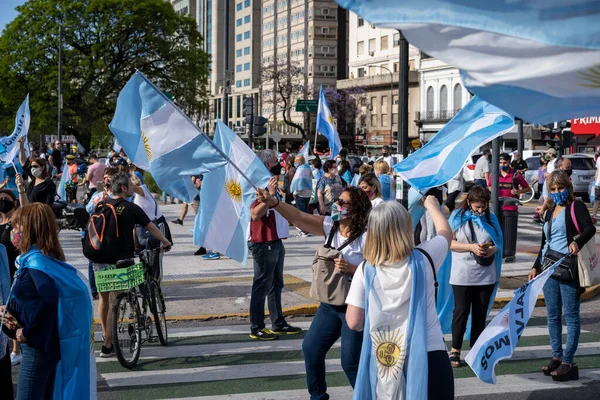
[
  {"x": 568, "y": 171},
  {"x": 339, "y": 213},
  {"x": 276, "y": 170},
  {"x": 36, "y": 172},
  {"x": 6, "y": 205},
  {"x": 560, "y": 198},
  {"x": 15, "y": 237},
  {"x": 339, "y": 168},
  {"x": 477, "y": 213},
  {"x": 296, "y": 165},
  {"x": 504, "y": 167},
  {"x": 384, "y": 154},
  {"x": 369, "y": 193}
]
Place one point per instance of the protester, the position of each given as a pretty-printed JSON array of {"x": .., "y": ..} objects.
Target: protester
[
  {"x": 344, "y": 171},
  {"x": 42, "y": 189},
  {"x": 53, "y": 309},
  {"x": 551, "y": 156},
  {"x": 539, "y": 180},
  {"x": 481, "y": 173},
  {"x": 560, "y": 237},
  {"x": 94, "y": 174},
  {"x": 329, "y": 187},
  {"x": 596, "y": 189},
  {"x": 56, "y": 159},
  {"x": 388, "y": 186},
  {"x": 138, "y": 172},
  {"x": 301, "y": 185},
  {"x": 510, "y": 183},
  {"x": 316, "y": 167},
  {"x": 476, "y": 262},
  {"x": 128, "y": 216},
  {"x": 365, "y": 169},
  {"x": 197, "y": 180},
  {"x": 267, "y": 229},
  {"x": 385, "y": 153},
  {"x": 290, "y": 170},
  {"x": 518, "y": 164},
  {"x": 370, "y": 184},
  {"x": 399, "y": 283},
  {"x": 346, "y": 225}
]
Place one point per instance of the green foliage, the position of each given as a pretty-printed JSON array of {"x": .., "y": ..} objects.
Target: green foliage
[
  {"x": 151, "y": 183},
  {"x": 104, "y": 42}
]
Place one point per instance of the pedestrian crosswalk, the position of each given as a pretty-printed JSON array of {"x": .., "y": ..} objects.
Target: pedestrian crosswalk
[{"x": 214, "y": 363}]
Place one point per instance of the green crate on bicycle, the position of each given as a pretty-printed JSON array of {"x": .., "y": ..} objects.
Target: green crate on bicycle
[{"x": 113, "y": 279}]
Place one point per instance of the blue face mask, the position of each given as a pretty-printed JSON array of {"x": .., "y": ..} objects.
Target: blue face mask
[
  {"x": 504, "y": 167},
  {"x": 560, "y": 198}
]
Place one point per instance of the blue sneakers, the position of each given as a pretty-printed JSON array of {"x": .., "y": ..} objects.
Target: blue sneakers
[{"x": 211, "y": 255}]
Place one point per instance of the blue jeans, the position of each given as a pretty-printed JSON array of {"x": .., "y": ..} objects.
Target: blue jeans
[
  {"x": 326, "y": 328},
  {"x": 36, "y": 376},
  {"x": 302, "y": 204},
  {"x": 92, "y": 278},
  {"x": 267, "y": 283},
  {"x": 561, "y": 296},
  {"x": 480, "y": 182}
]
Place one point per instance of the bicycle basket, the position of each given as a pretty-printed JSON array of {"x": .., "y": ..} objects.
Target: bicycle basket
[{"x": 112, "y": 279}]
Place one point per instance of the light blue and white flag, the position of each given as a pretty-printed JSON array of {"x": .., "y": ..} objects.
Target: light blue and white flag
[
  {"x": 499, "y": 339},
  {"x": 305, "y": 151},
  {"x": 61, "y": 190},
  {"x": 355, "y": 180},
  {"x": 116, "y": 146},
  {"x": 9, "y": 145},
  {"x": 325, "y": 125},
  {"x": 388, "y": 187},
  {"x": 224, "y": 218},
  {"x": 158, "y": 137},
  {"x": 302, "y": 180},
  {"x": 510, "y": 53},
  {"x": 442, "y": 158}
]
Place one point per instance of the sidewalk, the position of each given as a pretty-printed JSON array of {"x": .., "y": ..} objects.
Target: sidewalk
[{"x": 197, "y": 289}]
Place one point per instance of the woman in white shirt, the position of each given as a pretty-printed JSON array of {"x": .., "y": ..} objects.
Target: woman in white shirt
[
  {"x": 370, "y": 184},
  {"x": 392, "y": 297}
]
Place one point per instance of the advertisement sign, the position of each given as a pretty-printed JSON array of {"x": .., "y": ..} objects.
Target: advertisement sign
[{"x": 586, "y": 126}]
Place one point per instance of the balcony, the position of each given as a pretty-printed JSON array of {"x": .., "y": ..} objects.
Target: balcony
[
  {"x": 435, "y": 116},
  {"x": 378, "y": 80}
]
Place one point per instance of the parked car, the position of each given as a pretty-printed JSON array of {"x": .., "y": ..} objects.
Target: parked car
[
  {"x": 469, "y": 170},
  {"x": 584, "y": 170}
]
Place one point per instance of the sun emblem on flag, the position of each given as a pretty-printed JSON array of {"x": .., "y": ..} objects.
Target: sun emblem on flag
[
  {"x": 330, "y": 119},
  {"x": 234, "y": 190},
  {"x": 388, "y": 352},
  {"x": 147, "y": 146},
  {"x": 591, "y": 78}
]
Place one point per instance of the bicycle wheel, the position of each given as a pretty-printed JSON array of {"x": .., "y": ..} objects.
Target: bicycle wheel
[
  {"x": 127, "y": 332},
  {"x": 157, "y": 306},
  {"x": 527, "y": 196}
]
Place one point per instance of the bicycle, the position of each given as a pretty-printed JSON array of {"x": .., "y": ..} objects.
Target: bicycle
[
  {"x": 131, "y": 325},
  {"x": 527, "y": 196}
]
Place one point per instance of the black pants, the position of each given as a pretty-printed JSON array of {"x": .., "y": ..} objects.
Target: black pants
[
  {"x": 440, "y": 377},
  {"x": 467, "y": 299},
  {"x": 5, "y": 374},
  {"x": 451, "y": 200}
]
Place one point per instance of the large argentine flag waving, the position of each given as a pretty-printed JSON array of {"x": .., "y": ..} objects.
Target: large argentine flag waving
[
  {"x": 538, "y": 60},
  {"x": 157, "y": 136},
  {"x": 224, "y": 218},
  {"x": 9, "y": 145},
  {"x": 325, "y": 126},
  {"x": 443, "y": 157}
]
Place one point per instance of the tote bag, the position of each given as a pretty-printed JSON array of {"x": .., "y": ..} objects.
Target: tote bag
[{"x": 587, "y": 258}]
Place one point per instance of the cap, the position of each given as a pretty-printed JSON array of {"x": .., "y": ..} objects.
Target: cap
[
  {"x": 505, "y": 156},
  {"x": 551, "y": 151}
]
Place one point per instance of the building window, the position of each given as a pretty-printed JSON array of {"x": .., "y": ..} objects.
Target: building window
[
  {"x": 373, "y": 119},
  {"x": 238, "y": 84},
  {"x": 325, "y": 31},
  {"x": 429, "y": 100},
  {"x": 238, "y": 68},
  {"x": 361, "y": 72},
  {"x": 247, "y": 3},
  {"x": 384, "y": 110},
  {"x": 457, "y": 97},
  {"x": 396, "y": 67},
  {"x": 238, "y": 53},
  {"x": 373, "y": 70},
  {"x": 239, "y": 7},
  {"x": 384, "y": 42},
  {"x": 361, "y": 21},
  {"x": 238, "y": 38},
  {"x": 246, "y": 66},
  {"x": 360, "y": 48},
  {"x": 246, "y": 19},
  {"x": 238, "y": 22},
  {"x": 247, "y": 35},
  {"x": 246, "y": 51},
  {"x": 396, "y": 40},
  {"x": 238, "y": 107},
  {"x": 395, "y": 103},
  {"x": 246, "y": 82},
  {"x": 444, "y": 98},
  {"x": 374, "y": 105},
  {"x": 325, "y": 49},
  {"x": 372, "y": 47}
]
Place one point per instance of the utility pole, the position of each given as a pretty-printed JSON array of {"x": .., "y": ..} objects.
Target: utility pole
[
  {"x": 60, "y": 45},
  {"x": 226, "y": 74},
  {"x": 496, "y": 174},
  {"x": 403, "y": 116},
  {"x": 520, "y": 139}
]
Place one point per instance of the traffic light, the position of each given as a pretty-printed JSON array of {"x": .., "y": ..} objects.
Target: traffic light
[
  {"x": 248, "y": 109},
  {"x": 259, "y": 126},
  {"x": 567, "y": 138}
]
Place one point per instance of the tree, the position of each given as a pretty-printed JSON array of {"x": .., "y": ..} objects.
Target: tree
[
  {"x": 104, "y": 43},
  {"x": 287, "y": 82},
  {"x": 345, "y": 106}
]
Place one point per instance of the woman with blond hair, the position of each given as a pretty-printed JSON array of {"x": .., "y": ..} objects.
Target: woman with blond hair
[
  {"x": 567, "y": 228},
  {"x": 388, "y": 186},
  {"x": 392, "y": 298},
  {"x": 49, "y": 312},
  {"x": 372, "y": 187}
]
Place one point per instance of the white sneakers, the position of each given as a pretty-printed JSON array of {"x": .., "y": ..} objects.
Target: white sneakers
[{"x": 15, "y": 358}]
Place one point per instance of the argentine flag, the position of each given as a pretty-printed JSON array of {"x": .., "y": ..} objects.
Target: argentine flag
[
  {"x": 305, "y": 151},
  {"x": 443, "y": 157},
  {"x": 9, "y": 145},
  {"x": 61, "y": 191},
  {"x": 158, "y": 137},
  {"x": 499, "y": 339},
  {"x": 538, "y": 60},
  {"x": 224, "y": 218},
  {"x": 325, "y": 125}
]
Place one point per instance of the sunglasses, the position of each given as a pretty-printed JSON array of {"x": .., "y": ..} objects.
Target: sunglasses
[{"x": 342, "y": 202}]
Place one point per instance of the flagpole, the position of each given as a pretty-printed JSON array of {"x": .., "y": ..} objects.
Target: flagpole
[
  {"x": 198, "y": 129},
  {"x": 316, "y": 136}
]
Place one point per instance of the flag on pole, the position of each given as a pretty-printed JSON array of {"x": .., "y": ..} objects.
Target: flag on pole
[
  {"x": 304, "y": 151},
  {"x": 325, "y": 125},
  {"x": 158, "y": 137},
  {"x": 9, "y": 145},
  {"x": 443, "y": 157},
  {"x": 224, "y": 218},
  {"x": 62, "y": 185},
  {"x": 511, "y": 53},
  {"x": 499, "y": 339}
]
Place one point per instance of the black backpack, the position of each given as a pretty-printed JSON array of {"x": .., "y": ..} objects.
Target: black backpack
[{"x": 101, "y": 240}]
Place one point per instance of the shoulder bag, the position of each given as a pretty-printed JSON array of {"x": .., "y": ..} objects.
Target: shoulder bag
[
  {"x": 329, "y": 285},
  {"x": 587, "y": 258}
]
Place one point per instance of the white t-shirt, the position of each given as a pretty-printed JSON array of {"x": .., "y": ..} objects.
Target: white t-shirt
[
  {"x": 481, "y": 166},
  {"x": 376, "y": 201},
  {"x": 353, "y": 253},
  {"x": 394, "y": 283},
  {"x": 551, "y": 166},
  {"x": 148, "y": 204}
]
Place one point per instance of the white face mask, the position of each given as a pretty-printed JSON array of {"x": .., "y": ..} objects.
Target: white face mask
[
  {"x": 339, "y": 168},
  {"x": 37, "y": 172}
]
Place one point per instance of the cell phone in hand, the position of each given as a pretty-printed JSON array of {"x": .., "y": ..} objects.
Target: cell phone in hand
[{"x": 486, "y": 245}]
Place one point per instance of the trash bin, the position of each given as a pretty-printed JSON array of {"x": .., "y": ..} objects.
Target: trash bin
[{"x": 508, "y": 222}]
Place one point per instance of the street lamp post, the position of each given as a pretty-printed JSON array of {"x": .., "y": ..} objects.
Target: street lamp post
[{"x": 391, "y": 97}]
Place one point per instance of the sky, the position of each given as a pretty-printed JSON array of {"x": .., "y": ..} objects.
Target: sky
[{"x": 7, "y": 11}]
